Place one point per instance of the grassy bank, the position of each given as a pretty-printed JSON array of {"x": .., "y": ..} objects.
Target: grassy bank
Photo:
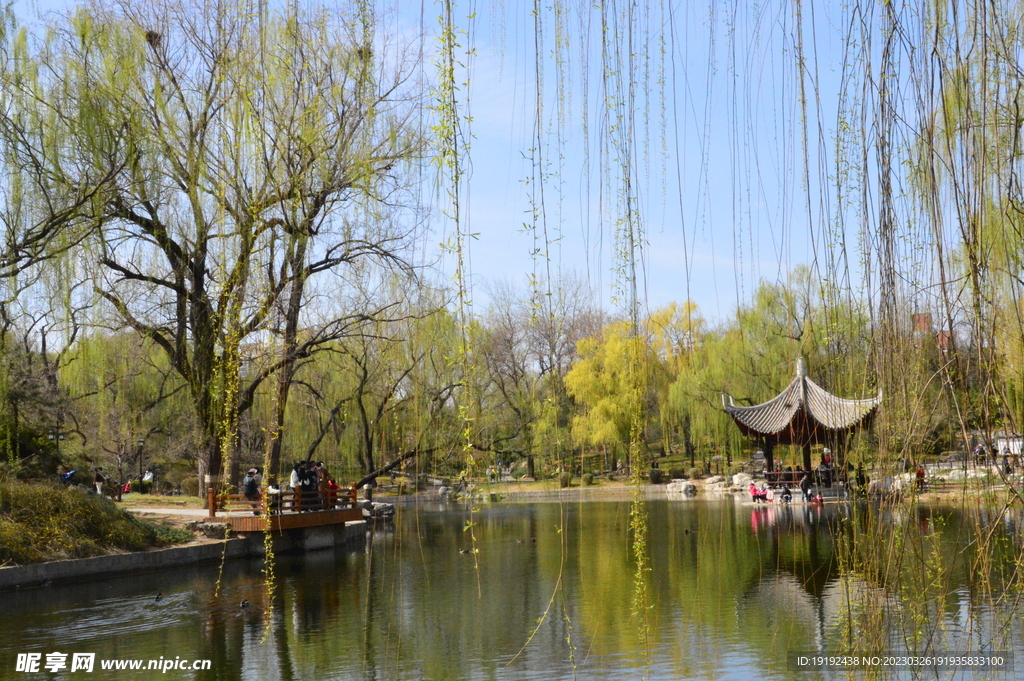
[{"x": 40, "y": 522}]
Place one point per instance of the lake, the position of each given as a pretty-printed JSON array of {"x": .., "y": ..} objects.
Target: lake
[{"x": 547, "y": 591}]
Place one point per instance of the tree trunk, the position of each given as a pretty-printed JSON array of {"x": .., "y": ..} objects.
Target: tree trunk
[
  {"x": 297, "y": 264},
  {"x": 209, "y": 465},
  {"x": 284, "y": 382},
  {"x": 373, "y": 475}
]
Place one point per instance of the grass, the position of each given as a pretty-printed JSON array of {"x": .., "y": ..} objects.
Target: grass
[
  {"x": 162, "y": 501},
  {"x": 41, "y": 522}
]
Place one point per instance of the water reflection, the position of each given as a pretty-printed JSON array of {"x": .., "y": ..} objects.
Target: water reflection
[{"x": 545, "y": 591}]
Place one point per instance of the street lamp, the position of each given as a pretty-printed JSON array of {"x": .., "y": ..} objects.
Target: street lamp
[
  {"x": 55, "y": 435},
  {"x": 140, "y": 443}
]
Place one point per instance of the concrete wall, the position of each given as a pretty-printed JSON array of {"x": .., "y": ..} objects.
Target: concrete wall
[{"x": 305, "y": 539}]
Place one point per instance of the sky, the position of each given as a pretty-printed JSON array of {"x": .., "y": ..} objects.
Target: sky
[{"x": 718, "y": 171}]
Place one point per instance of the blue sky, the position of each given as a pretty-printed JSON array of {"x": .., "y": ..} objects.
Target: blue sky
[{"x": 721, "y": 186}]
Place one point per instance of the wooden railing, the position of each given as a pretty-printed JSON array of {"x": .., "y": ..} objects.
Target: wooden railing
[{"x": 288, "y": 501}]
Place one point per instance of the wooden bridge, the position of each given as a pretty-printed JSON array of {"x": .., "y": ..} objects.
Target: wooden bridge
[{"x": 284, "y": 511}]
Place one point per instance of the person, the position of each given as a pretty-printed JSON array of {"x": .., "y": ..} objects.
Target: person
[
  {"x": 308, "y": 485},
  {"x": 769, "y": 495},
  {"x": 862, "y": 479},
  {"x": 818, "y": 499},
  {"x": 805, "y": 487},
  {"x": 920, "y": 478},
  {"x": 824, "y": 476},
  {"x": 98, "y": 480},
  {"x": 274, "y": 496},
  {"x": 754, "y": 496},
  {"x": 332, "y": 493},
  {"x": 295, "y": 485},
  {"x": 251, "y": 490},
  {"x": 322, "y": 478},
  {"x": 787, "y": 495},
  {"x": 1007, "y": 469}
]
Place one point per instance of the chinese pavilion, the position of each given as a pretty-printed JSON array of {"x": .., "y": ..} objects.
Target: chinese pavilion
[{"x": 804, "y": 414}]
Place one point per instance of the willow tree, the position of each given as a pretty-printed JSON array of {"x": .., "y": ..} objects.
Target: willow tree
[
  {"x": 609, "y": 382},
  {"x": 247, "y": 148}
]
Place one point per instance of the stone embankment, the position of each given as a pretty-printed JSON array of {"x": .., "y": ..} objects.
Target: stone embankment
[{"x": 101, "y": 567}]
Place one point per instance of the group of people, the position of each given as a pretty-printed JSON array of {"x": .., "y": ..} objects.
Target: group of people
[
  {"x": 311, "y": 487},
  {"x": 763, "y": 493},
  {"x": 981, "y": 456}
]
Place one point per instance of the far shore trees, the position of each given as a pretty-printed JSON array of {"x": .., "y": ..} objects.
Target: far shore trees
[{"x": 231, "y": 154}]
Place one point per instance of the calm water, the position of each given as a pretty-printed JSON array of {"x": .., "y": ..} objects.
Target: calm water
[{"x": 548, "y": 595}]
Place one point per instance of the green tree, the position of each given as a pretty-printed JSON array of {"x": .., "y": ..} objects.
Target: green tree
[
  {"x": 237, "y": 145},
  {"x": 616, "y": 375}
]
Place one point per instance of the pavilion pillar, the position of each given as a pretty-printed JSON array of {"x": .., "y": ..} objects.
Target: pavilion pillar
[
  {"x": 768, "y": 459},
  {"x": 807, "y": 456}
]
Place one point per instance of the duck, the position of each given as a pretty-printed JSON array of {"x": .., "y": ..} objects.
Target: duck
[
  {"x": 159, "y": 597},
  {"x": 243, "y": 604}
]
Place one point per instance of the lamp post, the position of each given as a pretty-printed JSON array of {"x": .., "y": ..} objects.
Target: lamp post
[
  {"x": 140, "y": 443},
  {"x": 56, "y": 435}
]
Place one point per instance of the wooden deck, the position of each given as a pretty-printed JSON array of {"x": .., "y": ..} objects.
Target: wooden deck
[
  {"x": 237, "y": 510},
  {"x": 288, "y": 521}
]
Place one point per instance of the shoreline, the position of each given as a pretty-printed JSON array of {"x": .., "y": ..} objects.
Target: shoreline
[
  {"x": 200, "y": 552},
  {"x": 204, "y": 550}
]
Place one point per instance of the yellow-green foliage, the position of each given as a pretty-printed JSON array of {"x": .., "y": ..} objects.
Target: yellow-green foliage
[
  {"x": 607, "y": 382},
  {"x": 41, "y": 522}
]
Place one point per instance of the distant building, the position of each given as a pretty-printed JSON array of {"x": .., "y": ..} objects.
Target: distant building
[{"x": 922, "y": 322}]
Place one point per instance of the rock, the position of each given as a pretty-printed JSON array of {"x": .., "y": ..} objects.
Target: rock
[
  {"x": 719, "y": 483},
  {"x": 443, "y": 492},
  {"x": 889, "y": 484},
  {"x": 211, "y": 530},
  {"x": 684, "y": 487},
  {"x": 378, "y": 509},
  {"x": 742, "y": 479}
]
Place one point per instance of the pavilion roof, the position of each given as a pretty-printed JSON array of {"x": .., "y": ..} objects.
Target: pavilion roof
[{"x": 803, "y": 412}]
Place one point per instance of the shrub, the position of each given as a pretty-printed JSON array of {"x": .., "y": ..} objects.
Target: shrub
[
  {"x": 610, "y": 477},
  {"x": 735, "y": 470},
  {"x": 676, "y": 473},
  {"x": 655, "y": 476},
  {"x": 190, "y": 486},
  {"x": 141, "y": 486},
  {"x": 564, "y": 480},
  {"x": 48, "y": 522},
  {"x": 694, "y": 473},
  {"x": 588, "y": 479}
]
